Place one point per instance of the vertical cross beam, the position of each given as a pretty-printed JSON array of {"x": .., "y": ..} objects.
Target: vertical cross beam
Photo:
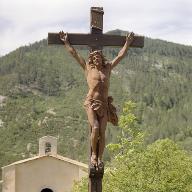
[{"x": 96, "y": 27}]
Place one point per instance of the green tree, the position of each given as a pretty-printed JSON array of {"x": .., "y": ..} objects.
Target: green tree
[{"x": 159, "y": 167}]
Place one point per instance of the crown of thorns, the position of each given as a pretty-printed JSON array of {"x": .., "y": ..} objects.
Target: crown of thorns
[{"x": 96, "y": 52}]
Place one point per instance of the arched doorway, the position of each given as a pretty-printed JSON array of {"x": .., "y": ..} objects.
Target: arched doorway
[{"x": 46, "y": 190}]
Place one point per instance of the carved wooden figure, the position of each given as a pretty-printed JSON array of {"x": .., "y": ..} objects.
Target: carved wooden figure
[{"x": 98, "y": 103}]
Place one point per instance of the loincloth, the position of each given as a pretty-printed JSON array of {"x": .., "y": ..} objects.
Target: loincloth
[{"x": 101, "y": 107}]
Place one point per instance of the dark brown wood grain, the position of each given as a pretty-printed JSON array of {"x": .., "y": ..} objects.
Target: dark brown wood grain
[{"x": 95, "y": 40}]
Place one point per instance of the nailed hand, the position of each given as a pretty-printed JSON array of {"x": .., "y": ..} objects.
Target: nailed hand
[
  {"x": 130, "y": 37},
  {"x": 64, "y": 37}
]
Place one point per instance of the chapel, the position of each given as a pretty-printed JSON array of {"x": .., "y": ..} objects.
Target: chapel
[{"x": 46, "y": 172}]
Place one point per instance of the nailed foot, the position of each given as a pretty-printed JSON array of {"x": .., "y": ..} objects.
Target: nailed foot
[{"x": 100, "y": 164}]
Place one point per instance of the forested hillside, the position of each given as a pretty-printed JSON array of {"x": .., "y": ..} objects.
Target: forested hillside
[{"x": 42, "y": 90}]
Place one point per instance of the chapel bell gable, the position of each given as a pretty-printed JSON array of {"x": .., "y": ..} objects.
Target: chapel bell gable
[{"x": 48, "y": 146}]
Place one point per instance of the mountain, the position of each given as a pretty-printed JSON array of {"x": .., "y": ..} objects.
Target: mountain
[{"x": 42, "y": 90}]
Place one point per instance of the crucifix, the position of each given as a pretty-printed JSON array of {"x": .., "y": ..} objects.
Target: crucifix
[{"x": 98, "y": 104}]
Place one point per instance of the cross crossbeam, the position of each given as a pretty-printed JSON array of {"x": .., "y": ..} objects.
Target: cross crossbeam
[{"x": 95, "y": 40}]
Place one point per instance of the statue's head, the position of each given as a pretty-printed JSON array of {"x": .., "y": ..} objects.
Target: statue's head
[{"x": 96, "y": 57}]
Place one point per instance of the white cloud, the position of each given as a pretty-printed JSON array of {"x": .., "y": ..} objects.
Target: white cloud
[{"x": 26, "y": 21}]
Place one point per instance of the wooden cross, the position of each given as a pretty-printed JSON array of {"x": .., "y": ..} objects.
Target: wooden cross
[{"x": 96, "y": 40}]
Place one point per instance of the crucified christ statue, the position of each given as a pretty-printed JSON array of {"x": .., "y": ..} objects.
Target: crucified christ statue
[{"x": 98, "y": 104}]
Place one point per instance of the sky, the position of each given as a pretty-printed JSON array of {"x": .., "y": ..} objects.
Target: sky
[{"x": 23, "y": 22}]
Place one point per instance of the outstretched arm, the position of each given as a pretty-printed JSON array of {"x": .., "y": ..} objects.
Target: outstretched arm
[
  {"x": 122, "y": 52},
  {"x": 71, "y": 50}
]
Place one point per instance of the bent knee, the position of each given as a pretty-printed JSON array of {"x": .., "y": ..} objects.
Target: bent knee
[{"x": 96, "y": 125}]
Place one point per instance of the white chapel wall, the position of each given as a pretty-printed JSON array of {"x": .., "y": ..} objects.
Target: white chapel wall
[{"x": 38, "y": 174}]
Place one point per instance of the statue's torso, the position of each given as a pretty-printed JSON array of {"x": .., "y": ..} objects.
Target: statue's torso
[{"x": 98, "y": 81}]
